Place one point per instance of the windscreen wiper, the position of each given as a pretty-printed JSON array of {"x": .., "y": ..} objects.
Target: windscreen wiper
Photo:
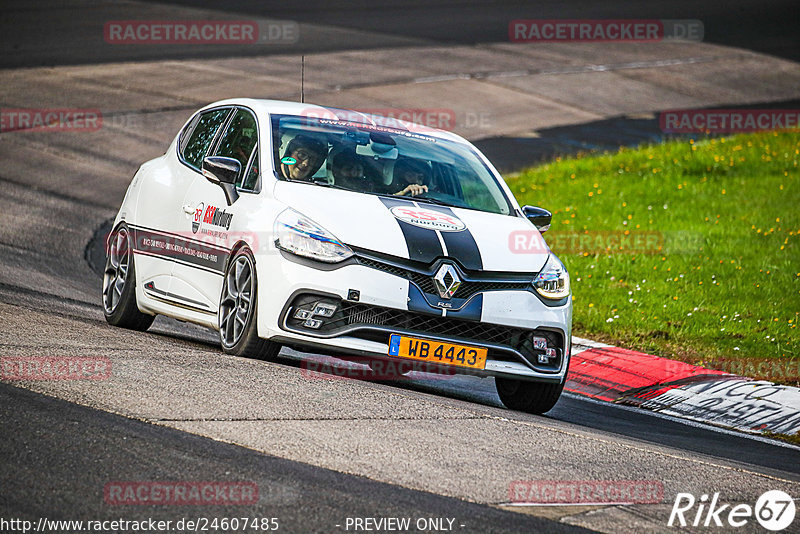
[
  {"x": 325, "y": 183},
  {"x": 434, "y": 201}
]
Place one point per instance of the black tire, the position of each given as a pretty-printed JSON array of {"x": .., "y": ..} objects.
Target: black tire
[
  {"x": 531, "y": 397},
  {"x": 237, "y": 316},
  {"x": 119, "y": 284}
]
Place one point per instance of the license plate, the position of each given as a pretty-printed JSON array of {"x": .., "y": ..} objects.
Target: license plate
[{"x": 437, "y": 352}]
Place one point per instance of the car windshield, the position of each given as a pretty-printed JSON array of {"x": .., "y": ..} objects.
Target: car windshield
[{"x": 383, "y": 160}]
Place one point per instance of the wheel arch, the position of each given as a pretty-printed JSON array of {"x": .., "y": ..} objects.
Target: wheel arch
[{"x": 239, "y": 245}]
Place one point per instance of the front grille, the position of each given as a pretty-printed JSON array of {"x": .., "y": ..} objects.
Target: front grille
[
  {"x": 431, "y": 324},
  {"x": 374, "y": 322},
  {"x": 423, "y": 279}
]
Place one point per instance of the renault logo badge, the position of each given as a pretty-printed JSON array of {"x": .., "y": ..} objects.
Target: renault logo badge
[{"x": 447, "y": 281}]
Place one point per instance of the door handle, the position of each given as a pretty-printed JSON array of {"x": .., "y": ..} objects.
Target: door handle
[{"x": 188, "y": 210}]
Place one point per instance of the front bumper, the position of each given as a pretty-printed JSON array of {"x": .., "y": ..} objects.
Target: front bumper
[{"x": 508, "y": 319}]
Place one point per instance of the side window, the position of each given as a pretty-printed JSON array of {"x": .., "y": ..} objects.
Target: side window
[
  {"x": 249, "y": 182},
  {"x": 239, "y": 138},
  {"x": 202, "y": 136}
]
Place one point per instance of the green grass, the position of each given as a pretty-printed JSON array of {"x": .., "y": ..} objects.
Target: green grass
[{"x": 714, "y": 279}]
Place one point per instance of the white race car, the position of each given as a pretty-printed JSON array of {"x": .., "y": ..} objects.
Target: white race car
[{"x": 347, "y": 234}]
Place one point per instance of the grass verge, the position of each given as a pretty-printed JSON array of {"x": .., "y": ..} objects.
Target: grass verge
[{"x": 687, "y": 249}]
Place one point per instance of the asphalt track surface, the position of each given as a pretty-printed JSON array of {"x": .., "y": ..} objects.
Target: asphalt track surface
[
  {"x": 319, "y": 450},
  {"x": 44, "y": 33},
  {"x": 304, "y": 498}
]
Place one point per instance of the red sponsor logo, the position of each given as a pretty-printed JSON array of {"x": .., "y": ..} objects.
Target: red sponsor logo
[
  {"x": 217, "y": 217},
  {"x": 132, "y": 32},
  {"x": 55, "y": 368},
  {"x": 728, "y": 120},
  {"x": 50, "y": 119},
  {"x": 426, "y": 218},
  {"x": 559, "y": 492},
  {"x": 374, "y": 370},
  {"x": 592, "y": 31},
  {"x": 181, "y": 493}
]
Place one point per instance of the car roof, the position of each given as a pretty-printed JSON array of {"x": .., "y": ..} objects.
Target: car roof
[{"x": 281, "y": 107}]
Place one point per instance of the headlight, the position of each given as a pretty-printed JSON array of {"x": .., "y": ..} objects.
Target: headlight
[
  {"x": 300, "y": 235},
  {"x": 553, "y": 281}
]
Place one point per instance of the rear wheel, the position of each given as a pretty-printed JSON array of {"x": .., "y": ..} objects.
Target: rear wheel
[
  {"x": 531, "y": 397},
  {"x": 237, "y": 311},
  {"x": 119, "y": 285}
]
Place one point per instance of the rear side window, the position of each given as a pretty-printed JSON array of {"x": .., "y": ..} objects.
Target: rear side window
[{"x": 203, "y": 134}]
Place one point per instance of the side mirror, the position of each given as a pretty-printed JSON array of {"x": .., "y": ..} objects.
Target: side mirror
[
  {"x": 219, "y": 169},
  {"x": 540, "y": 217},
  {"x": 225, "y": 173}
]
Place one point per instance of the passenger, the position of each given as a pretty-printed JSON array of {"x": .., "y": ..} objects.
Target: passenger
[
  {"x": 302, "y": 158},
  {"x": 348, "y": 172},
  {"x": 410, "y": 177}
]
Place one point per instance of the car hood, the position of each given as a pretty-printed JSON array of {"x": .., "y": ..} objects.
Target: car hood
[{"x": 420, "y": 231}]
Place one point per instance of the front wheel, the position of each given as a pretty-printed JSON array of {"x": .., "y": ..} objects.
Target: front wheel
[
  {"x": 531, "y": 397},
  {"x": 238, "y": 332},
  {"x": 119, "y": 285}
]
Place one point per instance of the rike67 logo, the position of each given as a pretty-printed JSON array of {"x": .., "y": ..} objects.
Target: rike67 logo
[{"x": 774, "y": 510}]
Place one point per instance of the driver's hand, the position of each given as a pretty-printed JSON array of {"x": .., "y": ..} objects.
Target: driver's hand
[{"x": 414, "y": 190}]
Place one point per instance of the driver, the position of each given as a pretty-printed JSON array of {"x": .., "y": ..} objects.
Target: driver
[
  {"x": 410, "y": 176},
  {"x": 303, "y": 157}
]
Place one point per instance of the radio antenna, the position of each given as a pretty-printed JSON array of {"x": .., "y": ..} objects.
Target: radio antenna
[{"x": 302, "y": 78}]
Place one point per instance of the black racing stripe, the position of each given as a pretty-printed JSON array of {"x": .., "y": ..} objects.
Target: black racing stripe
[
  {"x": 460, "y": 245},
  {"x": 423, "y": 244}
]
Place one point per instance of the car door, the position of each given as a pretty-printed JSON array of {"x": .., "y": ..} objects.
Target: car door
[
  {"x": 156, "y": 230},
  {"x": 210, "y": 220}
]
